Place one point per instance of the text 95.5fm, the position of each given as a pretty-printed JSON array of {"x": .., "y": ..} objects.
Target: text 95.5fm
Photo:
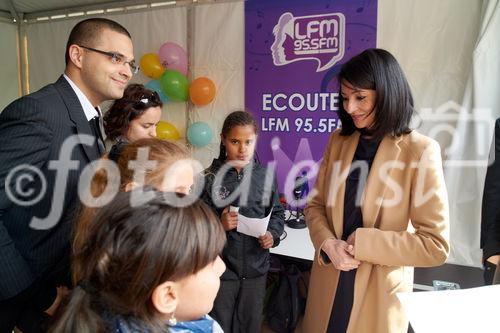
[{"x": 304, "y": 125}]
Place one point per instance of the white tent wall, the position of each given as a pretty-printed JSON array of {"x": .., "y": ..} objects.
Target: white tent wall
[
  {"x": 218, "y": 53},
  {"x": 465, "y": 185},
  {"x": 433, "y": 40},
  {"x": 9, "y": 83},
  {"x": 435, "y": 50}
]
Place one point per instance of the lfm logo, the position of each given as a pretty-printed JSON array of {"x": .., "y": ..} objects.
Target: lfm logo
[{"x": 319, "y": 37}]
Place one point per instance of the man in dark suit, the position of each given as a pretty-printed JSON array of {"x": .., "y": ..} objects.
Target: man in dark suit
[
  {"x": 47, "y": 138},
  {"x": 490, "y": 215}
]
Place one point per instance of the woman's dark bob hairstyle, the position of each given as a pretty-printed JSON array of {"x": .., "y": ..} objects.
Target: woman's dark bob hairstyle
[{"x": 378, "y": 70}]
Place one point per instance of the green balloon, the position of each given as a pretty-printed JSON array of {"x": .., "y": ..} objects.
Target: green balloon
[{"x": 175, "y": 85}]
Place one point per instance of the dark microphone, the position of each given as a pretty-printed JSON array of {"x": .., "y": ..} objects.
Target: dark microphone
[{"x": 300, "y": 189}]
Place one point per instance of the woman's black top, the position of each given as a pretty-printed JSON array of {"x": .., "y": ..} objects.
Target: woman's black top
[{"x": 355, "y": 184}]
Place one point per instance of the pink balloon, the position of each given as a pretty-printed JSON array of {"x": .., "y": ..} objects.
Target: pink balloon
[{"x": 173, "y": 57}]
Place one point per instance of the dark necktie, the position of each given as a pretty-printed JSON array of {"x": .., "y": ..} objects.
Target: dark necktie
[{"x": 96, "y": 124}]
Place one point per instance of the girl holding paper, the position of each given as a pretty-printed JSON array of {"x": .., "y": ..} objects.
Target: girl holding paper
[{"x": 235, "y": 184}]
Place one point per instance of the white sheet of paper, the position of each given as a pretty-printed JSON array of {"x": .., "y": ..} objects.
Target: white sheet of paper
[
  {"x": 254, "y": 227},
  {"x": 462, "y": 310}
]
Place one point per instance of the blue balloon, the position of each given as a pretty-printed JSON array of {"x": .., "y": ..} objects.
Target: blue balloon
[
  {"x": 199, "y": 134},
  {"x": 155, "y": 86}
]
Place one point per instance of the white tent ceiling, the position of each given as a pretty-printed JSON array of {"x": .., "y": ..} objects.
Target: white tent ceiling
[
  {"x": 21, "y": 8},
  {"x": 31, "y": 9},
  {"x": 32, "y": 6}
]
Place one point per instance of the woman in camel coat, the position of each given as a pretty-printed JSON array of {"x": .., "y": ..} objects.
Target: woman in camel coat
[{"x": 379, "y": 208}]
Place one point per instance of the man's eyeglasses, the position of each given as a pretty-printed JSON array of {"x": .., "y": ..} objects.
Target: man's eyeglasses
[{"x": 116, "y": 58}]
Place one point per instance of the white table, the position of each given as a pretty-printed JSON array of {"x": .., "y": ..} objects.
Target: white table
[{"x": 297, "y": 244}]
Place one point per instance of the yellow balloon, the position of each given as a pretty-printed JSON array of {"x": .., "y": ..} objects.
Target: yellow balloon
[
  {"x": 151, "y": 66},
  {"x": 167, "y": 131}
]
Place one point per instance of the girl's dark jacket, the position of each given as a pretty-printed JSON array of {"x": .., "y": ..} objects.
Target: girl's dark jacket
[{"x": 243, "y": 255}]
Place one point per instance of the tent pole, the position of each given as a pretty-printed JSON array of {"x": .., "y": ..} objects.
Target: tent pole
[
  {"x": 190, "y": 53},
  {"x": 23, "y": 57},
  {"x": 21, "y": 49}
]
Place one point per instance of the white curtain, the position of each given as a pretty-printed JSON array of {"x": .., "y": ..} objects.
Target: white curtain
[
  {"x": 482, "y": 100},
  {"x": 9, "y": 83},
  {"x": 218, "y": 53},
  {"x": 433, "y": 42},
  {"x": 436, "y": 43}
]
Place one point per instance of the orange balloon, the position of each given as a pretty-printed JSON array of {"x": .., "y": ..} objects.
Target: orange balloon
[
  {"x": 167, "y": 131},
  {"x": 151, "y": 66},
  {"x": 202, "y": 91}
]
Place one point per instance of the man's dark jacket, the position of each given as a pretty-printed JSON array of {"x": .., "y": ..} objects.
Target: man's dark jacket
[{"x": 32, "y": 131}]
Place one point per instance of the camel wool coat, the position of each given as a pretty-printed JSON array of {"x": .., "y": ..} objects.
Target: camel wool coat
[{"x": 405, "y": 224}]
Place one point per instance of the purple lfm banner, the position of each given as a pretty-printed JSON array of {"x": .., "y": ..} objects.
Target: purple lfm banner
[{"x": 293, "y": 52}]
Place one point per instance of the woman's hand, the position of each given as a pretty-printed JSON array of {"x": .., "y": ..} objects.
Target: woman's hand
[
  {"x": 266, "y": 240},
  {"x": 229, "y": 219},
  {"x": 351, "y": 240},
  {"x": 340, "y": 255}
]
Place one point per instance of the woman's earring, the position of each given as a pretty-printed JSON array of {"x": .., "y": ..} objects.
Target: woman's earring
[{"x": 172, "y": 321}]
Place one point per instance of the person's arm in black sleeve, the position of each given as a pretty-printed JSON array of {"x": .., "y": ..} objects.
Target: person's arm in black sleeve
[
  {"x": 25, "y": 139},
  {"x": 491, "y": 199},
  {"x": 277, "y": 221},
  {"x": 492, "y": 239}
]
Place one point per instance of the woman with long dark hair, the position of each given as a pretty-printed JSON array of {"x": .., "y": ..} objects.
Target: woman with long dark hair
[
  {"x": 132, "y": 117},
  {"x": 135, "y": 115},
  {"x": 380, "y": 206}
]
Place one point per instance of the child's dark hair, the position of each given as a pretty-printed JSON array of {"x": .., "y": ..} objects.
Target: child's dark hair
[
  {"x": 135, "y": 101},
  {"x": 236, "y": 118},
  {"x": 130, "y": 250}
]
